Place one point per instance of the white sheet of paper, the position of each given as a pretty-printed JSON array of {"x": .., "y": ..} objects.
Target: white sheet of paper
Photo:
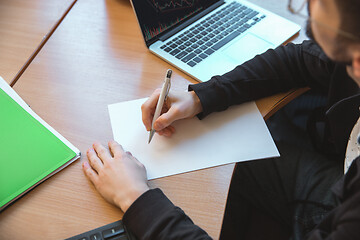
[{"x": 237, "y": 134}]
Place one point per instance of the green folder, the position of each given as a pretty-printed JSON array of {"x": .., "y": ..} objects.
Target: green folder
[{"x": 29, "y": 151}]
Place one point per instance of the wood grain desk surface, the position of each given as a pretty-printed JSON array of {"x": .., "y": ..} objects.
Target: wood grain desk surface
[
  {"x": 95, "y": 58},
  {"x": 23, "y": 25}
]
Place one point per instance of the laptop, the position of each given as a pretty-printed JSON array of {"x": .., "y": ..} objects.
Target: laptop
[{"x": 205, "y": 38}]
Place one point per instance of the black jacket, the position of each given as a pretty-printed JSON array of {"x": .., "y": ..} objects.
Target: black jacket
[
  {"x": 288, "y": 67},
  {"x": 153, "y": 216}
]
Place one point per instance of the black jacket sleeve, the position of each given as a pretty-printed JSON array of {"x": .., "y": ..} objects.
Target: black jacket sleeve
[
  {"x": 154, "y": 216},
  {"x": 275, "y": 71},
  {"x": 343, "y": 223}
]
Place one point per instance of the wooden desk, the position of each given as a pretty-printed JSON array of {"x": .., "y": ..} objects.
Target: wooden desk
[
  {"x": 97, "y": 57},
  {"x": 23, "y": 25}
]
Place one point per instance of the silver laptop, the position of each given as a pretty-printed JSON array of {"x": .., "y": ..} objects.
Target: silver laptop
[{"x": 209, "y": 37}]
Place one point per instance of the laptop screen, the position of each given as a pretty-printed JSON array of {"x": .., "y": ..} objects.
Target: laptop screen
[{"x": 157, "y": 16}]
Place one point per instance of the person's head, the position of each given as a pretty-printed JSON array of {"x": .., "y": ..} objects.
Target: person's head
[{"x": 335, "y": 26}]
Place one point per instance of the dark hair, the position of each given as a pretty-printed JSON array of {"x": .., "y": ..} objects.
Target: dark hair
[{"x": 350, "y": 18}]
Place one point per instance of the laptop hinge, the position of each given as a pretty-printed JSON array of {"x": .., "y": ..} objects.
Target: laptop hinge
[{"x": 190, "y": 21}]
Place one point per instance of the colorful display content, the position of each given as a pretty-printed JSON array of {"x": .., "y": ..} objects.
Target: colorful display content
[{"x": 156, "y": 16}]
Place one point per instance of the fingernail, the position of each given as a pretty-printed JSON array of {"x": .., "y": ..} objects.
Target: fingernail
[{"x": 158, "y": 126}]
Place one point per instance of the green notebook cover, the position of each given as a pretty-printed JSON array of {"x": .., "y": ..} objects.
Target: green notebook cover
[{"x": 28, "y": 150}]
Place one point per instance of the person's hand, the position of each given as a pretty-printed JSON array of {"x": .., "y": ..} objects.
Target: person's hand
[
  {"x": 118, "y": 176},
  {"x": 178, "y": 105}
]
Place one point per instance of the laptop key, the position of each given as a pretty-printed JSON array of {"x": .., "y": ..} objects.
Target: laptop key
[
  {"x": 96, "y": 236},
  {"x": 167, "y": 49},
  {"x": 246, "y": 26},
  {"x": 191, "y": 63},
  {"x": 205, "y": 39},
  {"x": 174, "y": 52},
  {"x": 209, "y": 51},
  {"x": 197, "y": 59},
  {"x": 184, "y": 39},
  {"x": 241, "y": 30},
  {"x": 198, "y": 36},
  {"x": 247, "y": 11},
  {"x": 113, "y": 232},
  {"x": 209, "y": 44},
  {"x": 182, "y": 47},
  {"x": 194, "y": 46},
  {"x": 214, "y": 40},
  {"x": 181, "y": 55},
  {"x": 188, "y": 57},
  {"x": 253, "y": 14},
  {"x": 225, "y": 40},
  {"x": 203, "y": 55}
]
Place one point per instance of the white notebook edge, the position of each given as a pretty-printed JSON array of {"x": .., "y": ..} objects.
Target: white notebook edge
[{"x": 11, "y": 92}]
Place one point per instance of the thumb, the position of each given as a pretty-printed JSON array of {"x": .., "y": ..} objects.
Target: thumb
[{"x": 167, "y": 119}]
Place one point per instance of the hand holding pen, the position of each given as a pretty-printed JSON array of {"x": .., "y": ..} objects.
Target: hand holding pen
[
  {"x": 177, "y": 105},
  {"x": 162, "y": 98}
]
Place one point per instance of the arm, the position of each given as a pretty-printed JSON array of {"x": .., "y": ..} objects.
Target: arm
[
  {"x": 154, "y": 216},
  {"x": 275, "y": 71},
  {"x": 121, "y": 179}
]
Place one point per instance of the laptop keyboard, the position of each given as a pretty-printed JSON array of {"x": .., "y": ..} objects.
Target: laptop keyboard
[
  {"x": 112, "y": 231},
  {"x": 208, "y": 36}
]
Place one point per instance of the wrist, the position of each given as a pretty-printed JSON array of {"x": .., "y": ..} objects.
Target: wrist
[
  {"x": 124, "y": 202},
  {"x": 197, "y": 104}
]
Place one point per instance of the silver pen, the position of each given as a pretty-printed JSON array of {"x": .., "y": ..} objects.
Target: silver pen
[{"x": 162, "y": 98}]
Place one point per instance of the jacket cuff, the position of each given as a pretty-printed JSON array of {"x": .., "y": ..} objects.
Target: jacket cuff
[
  {"x": 146, "y": 209},
  {"x": 203, "y": 91}
]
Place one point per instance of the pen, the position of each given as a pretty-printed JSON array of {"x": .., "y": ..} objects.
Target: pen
[{"x": 164, "y": 92}]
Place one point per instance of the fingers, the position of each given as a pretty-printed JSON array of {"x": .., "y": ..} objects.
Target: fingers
[
  {"x": 167, "y": 132},
  {"x": 90, "y": 173},
  {"x": 167, "y": 118},
  {"x": 148, "y": 109},
  {"x": 102, "y": 152},
  {"x": 95, "y": 162},
  {"x": 116, "y": 149}
]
